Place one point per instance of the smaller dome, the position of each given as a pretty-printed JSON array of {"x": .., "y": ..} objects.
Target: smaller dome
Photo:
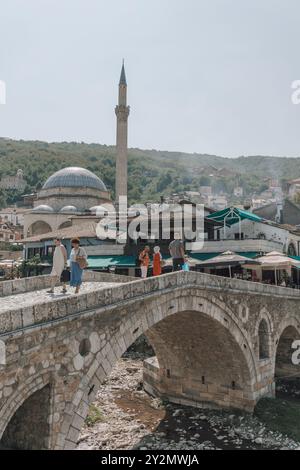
[
  {"x": 42, "y": 208},
  {"x": 67, "y": 209},
  {"x": 99, "y": 210}
]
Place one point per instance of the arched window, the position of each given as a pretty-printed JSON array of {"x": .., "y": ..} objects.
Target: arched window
[
  {"x": 291, "y": 250},
  {"x": 66, "y": 224},
  {"x": 263, "y": 338},
  {"x": 38, "y": 228}
]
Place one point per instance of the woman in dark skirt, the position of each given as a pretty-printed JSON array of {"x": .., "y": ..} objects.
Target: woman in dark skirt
[{"x": 77, "y": 253}]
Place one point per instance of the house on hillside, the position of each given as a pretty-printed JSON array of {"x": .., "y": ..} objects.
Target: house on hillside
[
  {"x": 285, "y": 212},
  {"x": 293, "y": 187}
]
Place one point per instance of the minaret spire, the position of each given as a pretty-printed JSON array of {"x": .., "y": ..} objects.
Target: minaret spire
[
  {"x": 122, "y": 113},
  {"x": 123, "y": 76}
]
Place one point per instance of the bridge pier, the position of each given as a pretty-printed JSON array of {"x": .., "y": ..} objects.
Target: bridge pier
[
  {"x": 204, "y": 361},
  {"x": 193, "y": 392}
]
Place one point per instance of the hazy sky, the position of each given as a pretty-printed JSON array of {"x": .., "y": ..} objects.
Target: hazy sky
[{"x": 207, "y": 76}]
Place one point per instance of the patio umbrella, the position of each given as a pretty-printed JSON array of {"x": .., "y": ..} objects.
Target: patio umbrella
[
  {"x": 227, "y": 259},
  {"x": 275, "y": 261}
]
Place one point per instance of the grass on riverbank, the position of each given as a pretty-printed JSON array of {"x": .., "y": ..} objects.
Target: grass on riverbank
[
  {"x": 94, "y": 416},
  {"x": 280, "y": 415}
]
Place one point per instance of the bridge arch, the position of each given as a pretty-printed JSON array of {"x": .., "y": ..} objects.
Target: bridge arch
[
  {"x": 25, "y": 419},
  {"x": 288, "y": 332},
  {"x": 154, "y": 317}
]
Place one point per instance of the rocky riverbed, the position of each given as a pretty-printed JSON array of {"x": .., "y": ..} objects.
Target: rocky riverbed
[{"x": 125, "y": 417}]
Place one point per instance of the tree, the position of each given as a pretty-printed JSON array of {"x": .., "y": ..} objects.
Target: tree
[
  {"x": 164, "y": 181},
  {"x": 297, "y": 197},
  {"x": 30, "y": 266}
]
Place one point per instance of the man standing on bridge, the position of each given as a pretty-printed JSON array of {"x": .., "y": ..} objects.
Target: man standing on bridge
[
  {"x": 176, "y": 249},
  {"x": 59, "y": 263}
]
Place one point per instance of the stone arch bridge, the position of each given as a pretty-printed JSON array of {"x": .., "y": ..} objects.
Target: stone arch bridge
[{"x": 218, "y": 342}]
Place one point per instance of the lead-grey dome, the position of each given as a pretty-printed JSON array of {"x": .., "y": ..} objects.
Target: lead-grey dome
[
  {"x": 74, "y": 177},
  {"x": 67, "y": 209},
  {"x": 99, "y": 210},
  {"x": 42, "y": 208}
]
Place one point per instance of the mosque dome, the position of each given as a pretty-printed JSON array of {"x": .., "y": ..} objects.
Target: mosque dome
[
  {"x": 74, "y": 177},
  {"x": 42, "y": 208},
  {"x": 68, "y": 209}
]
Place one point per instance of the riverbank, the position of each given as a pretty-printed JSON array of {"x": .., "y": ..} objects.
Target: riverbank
[{"x": 125, "y": 417}]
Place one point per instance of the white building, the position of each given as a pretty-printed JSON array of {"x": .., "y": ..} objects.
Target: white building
[
  {"x": 14, "y": 182},
  {"x": 251, "y": 233},
  {"x": 205, "y": 190},
  {"x": 13, "y": 215},
  {"x": 294, "y": 187},
  {"x": 238, "y": 191},
  {"x": 217, "y": 202}
]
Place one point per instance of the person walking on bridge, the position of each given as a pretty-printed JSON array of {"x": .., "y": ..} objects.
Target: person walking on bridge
[
  {"x": 144, "y": 261},
  {"x": 157, "y": 261},
  {"x": 78, "y": 261},
  {"x": 59, "y": 263},
  {"x": 176, "y": 249}
]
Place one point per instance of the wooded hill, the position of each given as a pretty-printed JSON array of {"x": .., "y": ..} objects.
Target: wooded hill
[{"x": 151, "y": 173}]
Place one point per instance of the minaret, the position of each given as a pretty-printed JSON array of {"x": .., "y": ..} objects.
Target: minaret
[{"x": 122, "y": 113}]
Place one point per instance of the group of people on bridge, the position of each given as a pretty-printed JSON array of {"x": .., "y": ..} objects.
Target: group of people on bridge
[
  {"x": 68, "y": 271},
  {"x": 176, "y": 249}
]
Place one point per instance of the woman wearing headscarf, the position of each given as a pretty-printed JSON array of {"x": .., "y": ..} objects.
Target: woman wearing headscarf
[{"x": 157, "y": 258}]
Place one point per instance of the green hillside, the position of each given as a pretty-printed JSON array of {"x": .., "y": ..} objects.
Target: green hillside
[{"x": 151, "y": 173}]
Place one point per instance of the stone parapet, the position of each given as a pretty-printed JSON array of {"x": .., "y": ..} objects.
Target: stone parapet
[
  {"x": 34, "y": 283},
  {"x": 121, "y": 290}
]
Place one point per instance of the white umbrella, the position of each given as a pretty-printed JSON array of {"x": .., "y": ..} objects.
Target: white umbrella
[
  {"x": 275, "y": 261},
  {"x": 228, "y": 259}
]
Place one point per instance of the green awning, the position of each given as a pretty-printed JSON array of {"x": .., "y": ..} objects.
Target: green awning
[
  {"x": 297, "y": 258},
  {"x": 233, "y": 215},
  {"x": 122, "y": 261},
  {"x": 104, "y": 262}
]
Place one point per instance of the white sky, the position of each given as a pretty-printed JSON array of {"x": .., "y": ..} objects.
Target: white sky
[{"x": 207, "y": 76}]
